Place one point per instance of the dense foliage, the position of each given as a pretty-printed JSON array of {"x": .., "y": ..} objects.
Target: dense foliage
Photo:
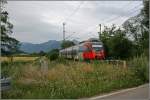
[
  {"x": 140, "y": 66},
  {"x": 116, "y": 44},
  {"x": 132, "y": 39},
  {"x": 53, "y": 54},
  {"x": 9, "y": 45}
]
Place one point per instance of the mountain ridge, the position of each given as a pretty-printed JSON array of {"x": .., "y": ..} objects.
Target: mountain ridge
[
  {"x": 45, "y": 46},
  {"x": 35, "y": 48}
]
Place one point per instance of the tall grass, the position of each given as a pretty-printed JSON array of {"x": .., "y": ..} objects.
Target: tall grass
[
  {"x": 68, "y": 79},
  {"x": 140, "y": 66}
]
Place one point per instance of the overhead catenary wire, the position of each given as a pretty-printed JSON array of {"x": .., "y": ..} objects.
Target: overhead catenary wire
[
  {"x": 67, "y": 18},
  {"x": 74, "y": 12},
  {"x": 111, "y": 19},
  {"x": 115, "y": 18},
  {"x": 94, "y": 27}
]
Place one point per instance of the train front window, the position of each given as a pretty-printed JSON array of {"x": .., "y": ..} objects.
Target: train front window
[{"x": 97, "y": 47}]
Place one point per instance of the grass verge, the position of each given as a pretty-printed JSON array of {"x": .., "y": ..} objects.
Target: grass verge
[{"x": 69, "y": 79}]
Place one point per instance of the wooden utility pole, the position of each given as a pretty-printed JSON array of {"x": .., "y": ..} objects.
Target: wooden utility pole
[{"x": 64, "y": 31}]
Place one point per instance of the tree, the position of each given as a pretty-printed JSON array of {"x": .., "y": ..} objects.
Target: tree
[
  {"x": 53, "y": 54},
  {"x": 42, "y": 53},
  {"x": 9, "y": 45},
  {"x": 116, "y": 44},
  {"x": 66, "y": 44},
  {"x": 138, "y": 28},
  {"x": 145, "y": 27},
  {"x": 145, "y": 13}
]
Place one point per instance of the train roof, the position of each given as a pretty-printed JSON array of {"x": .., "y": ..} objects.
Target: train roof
[
  {"x": 94, "y": 40},
  {"x": 91, "y": 40},
  {"x": 69, "y": 47}
]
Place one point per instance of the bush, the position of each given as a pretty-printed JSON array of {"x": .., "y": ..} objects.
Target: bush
[
  {"x": 116, "y": 44},
  {"x": 140, "y": 65},
  {"x": 53, "y": 55}
]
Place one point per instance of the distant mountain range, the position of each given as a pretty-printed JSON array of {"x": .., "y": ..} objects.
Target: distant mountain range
[{"x": 46, "y": 46}]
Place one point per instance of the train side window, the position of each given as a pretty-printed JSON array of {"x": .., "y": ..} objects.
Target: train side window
[
  {"x": 74, "y": 52},
  {"x": 82, "y": 48},
  {"x": 88, "y": 49}
]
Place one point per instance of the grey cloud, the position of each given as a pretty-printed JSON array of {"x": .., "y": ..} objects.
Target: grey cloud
[{"x": 42, "y": 21}]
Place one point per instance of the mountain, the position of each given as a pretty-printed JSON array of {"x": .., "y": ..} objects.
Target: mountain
[{"x": 46, "y": 46}]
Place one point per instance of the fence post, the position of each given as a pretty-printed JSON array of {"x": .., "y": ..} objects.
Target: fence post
[
  {"x": 44, "y": 65},
  {"x": 117, "y": 63},
  {"x": 124, "y": 64}
]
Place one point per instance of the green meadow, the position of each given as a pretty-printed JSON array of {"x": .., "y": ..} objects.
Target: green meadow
[{"x": 71, "y": 79}]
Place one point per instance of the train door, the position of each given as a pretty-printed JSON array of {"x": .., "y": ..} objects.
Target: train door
[{"x": 81, "y": 51}]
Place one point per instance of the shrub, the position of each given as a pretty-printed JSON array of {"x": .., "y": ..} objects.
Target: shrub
[
  {"x": 140, "y": 66},
  {"x": 53, "y": 55}
]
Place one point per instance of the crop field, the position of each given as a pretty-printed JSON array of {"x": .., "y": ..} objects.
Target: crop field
[
  {"x": 18, "y": 58},
  {"x": 70, "y": 79}
]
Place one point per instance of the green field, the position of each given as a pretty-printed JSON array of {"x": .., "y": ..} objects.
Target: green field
[
  {"x": 72, "y": 79},
  {"x": 8, "y": 59}
]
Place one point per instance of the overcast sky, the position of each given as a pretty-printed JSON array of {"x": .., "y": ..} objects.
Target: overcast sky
[{"x": 40, "y": 21}]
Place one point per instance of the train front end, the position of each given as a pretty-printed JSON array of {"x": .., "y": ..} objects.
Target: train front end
[
  {"x": 94, "y": 50},
  {"x": 98, "y": 51}
]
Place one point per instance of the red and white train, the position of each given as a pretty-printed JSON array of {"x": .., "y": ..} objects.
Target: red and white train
[{"x": 86, "y": 50}]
